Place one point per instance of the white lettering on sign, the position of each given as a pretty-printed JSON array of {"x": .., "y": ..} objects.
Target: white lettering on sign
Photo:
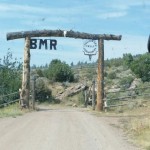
[{"x": 43, "y": 43}]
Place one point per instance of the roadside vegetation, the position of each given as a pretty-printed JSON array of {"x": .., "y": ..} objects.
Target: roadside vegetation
[
  {"x": 136, "y": 124},
  {"x": 140, "y": 129},
  {"x": 10, "y": 77},
  {"x": 11, "y": 111}
]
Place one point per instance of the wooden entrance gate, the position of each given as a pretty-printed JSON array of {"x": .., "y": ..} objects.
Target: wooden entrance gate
[{"x": 25, "y": 91}]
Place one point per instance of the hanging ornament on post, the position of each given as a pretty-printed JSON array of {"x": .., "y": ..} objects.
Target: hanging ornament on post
[
  {"x": 90, "y": 48},
  {"x": 90, "y": 55}
]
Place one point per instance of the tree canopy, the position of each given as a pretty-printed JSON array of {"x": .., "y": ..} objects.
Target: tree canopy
[
  {"x": 59, "y": 71},
  {"x": 10, "y": 74},
  {"x": 141, "y": 67}
]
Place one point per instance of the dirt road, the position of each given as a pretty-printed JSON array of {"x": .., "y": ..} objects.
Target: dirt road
[{"x": 60, "y": 129}]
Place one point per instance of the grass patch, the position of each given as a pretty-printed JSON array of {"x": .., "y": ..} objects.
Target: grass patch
[
  {"x": 144, "y": 139},
  {"x": 140, "y": 129},
  {"x": 138, "y": 126},
  {"x": 11, "y": 111},
  {"x": 135, "y": 122}
]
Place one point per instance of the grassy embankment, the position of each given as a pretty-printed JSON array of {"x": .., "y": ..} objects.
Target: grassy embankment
[
  {"x": 137, "y": 125},
  {"x": 11, "y": 111}
]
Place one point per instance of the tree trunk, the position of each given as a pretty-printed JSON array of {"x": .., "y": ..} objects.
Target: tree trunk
[
  {"x": 25, "y": 92},
  {"x": 85, "y": 98},
  {"x": 93, "y": 95},
  {"x": 33, "y": 93},
  {"x": 100, "y": 76}
]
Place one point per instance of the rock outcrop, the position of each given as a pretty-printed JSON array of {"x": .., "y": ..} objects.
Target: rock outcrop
[{"x": 70, "y": 91}]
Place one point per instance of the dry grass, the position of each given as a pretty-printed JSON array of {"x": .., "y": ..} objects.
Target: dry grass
[
  {"x": 139, "y": 128},
  {"x": 11, "y": 111},
  {"x": 137, "y": 125},
  {"x": 135, "y": 122}
]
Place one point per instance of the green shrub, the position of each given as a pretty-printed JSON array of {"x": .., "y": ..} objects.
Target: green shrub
[
  {"x": 43, "y": 93},
  {"x": 108, "y": 82},
  {"x": 105, "y": 74},
  {"x": 118, "y": 71},
  {"x": 127, "y": 59},
  {"x": 112, "y": 97},
  {"x": 81, "y": 97},
  {"x": 114, "y": 62},
  {"x": 112, "y": 75},
  {"x": 143, "y": 89},
  {"x": 90, "y": 73},
  {"x": 59, "y": 71},
  {"x": 10, "y": 74},
  {"x": 125, "y": 82},
  {"x": 39, "y": 72},
  {"x": 141, "y": 67}
]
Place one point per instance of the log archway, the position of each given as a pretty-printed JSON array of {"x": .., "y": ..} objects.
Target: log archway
[{"x": 62, "y": 33}]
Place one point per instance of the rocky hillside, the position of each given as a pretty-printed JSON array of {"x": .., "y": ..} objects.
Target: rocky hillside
[{"x": 125, "y": 73}]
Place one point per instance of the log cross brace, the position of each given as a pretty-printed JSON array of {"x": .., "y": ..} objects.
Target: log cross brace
[{"x": 70, "y": 34}]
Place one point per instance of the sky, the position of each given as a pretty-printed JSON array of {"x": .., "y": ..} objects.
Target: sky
[{"x": 129, "y": 18}]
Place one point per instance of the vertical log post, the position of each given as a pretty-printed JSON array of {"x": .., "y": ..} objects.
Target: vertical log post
[
  {"x": 25, "y": 92},
  {"x": 33, "y": 93},
  {"x": 85, "y": 94},
  {"x": 93, "y": 95},
  {"x": 85, "y": 98},
  {"x": 100, "y": 75}
]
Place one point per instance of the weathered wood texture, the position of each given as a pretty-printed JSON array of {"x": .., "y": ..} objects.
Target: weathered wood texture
[
  {"x": 93, "y": 95},
  {"x": 61, "y": 33},
  {"x": 100, "y": 75},
  {"x": 85, "y": 98},
  {"x": 33, "y": 93},
  {"x": 148, "y": 44},
  {"x": 25, "y": 92}
]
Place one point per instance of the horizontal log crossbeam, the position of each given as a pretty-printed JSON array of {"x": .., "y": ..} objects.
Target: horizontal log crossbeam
[{"x": 61, "y": 33}]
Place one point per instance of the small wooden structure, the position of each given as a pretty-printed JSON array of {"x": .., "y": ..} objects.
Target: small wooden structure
[{"x": 62, "y": 33}]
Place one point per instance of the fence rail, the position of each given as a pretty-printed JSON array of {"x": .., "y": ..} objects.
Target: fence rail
[
  {"x": 126, "y": 98},
  {"x": 128, "y": 90},
  {"x": 9, "y": 94},
  {"x": 6, "y": 104},
  {"x": 9, "y": 99},
  {"x": 132, "y": 96}
]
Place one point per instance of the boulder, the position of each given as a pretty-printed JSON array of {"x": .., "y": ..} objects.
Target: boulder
[{"x": 70, "y": 91}]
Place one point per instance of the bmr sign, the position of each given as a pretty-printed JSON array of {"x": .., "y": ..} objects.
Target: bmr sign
[{"x": 43, "y": 43}]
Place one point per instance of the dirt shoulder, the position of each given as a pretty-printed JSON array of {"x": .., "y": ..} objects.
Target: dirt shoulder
[{"x": 134, "y": 124}]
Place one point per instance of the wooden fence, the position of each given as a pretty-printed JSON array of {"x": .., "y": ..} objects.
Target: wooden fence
[
  {"x": 128, "y": 96},
  {"x": 5, "y": 100}
]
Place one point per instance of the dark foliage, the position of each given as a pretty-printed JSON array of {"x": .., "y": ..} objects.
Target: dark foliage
[
  {"x": 59, "y": 71},
  {"x": 43, "y": 93},
  {"x": 127, "y": 59},
  {"x": 10, "y": 74},
  {"x": 10, "y": 77},
  {"x": 141, "y": 67}
]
